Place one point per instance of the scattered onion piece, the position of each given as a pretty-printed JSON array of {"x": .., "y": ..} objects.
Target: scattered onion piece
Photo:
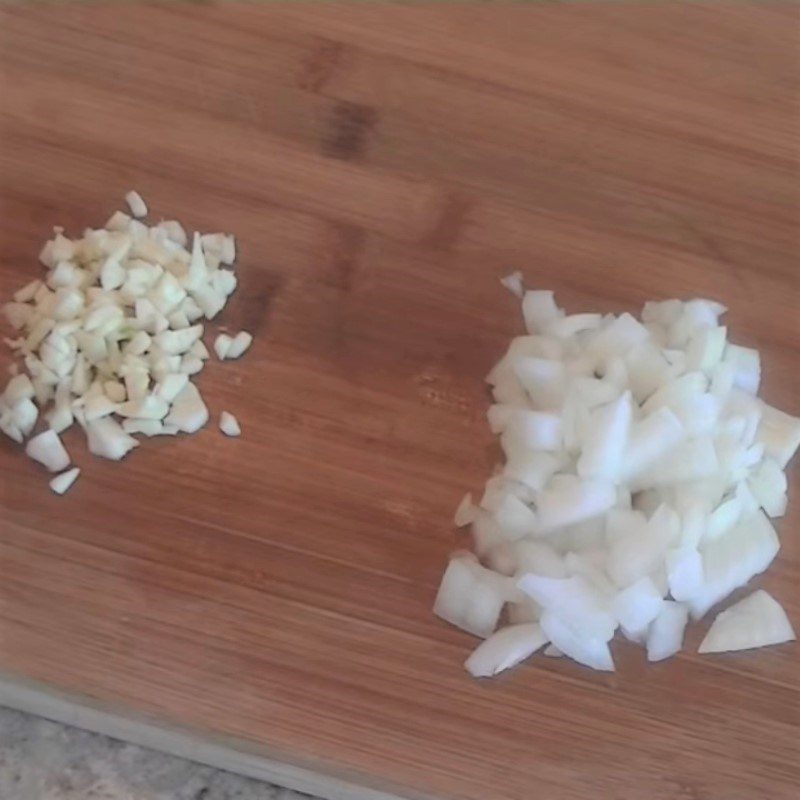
[
  {"x": 756, "y": 621},
  {"x": 61, "y": 483},
  {"x": 505, "y": 649}
]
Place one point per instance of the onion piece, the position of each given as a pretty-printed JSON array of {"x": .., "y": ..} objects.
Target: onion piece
[
  {"x": 733, "y": 559},
  {"x": 471, "y": 597},
  {"x": 705, "y": 349},
  {"x": 665, "y": 634},
  {"x": 779, "y": 433},
  {"x": 756, "y": 621},
  {"x": 606, "y": 439},
  {"x": 531, "y": 430},
  {"x": 505, "y": 649},
  {"x": 539, "y": 558},
  {"x": 769, "y": 485},
  {"x": 565, "y": 327},
  {"x": 543, "y": 379},
  {"x": 107, "y": 439},
  {"x": 685, "y": 572},
  {"x": 651, "y": 439},
  {"x": 622, "y": 335},
  {"x": 588, "y": 650},
  {"x": 24, "y": 415},
  {"x": 61, "y": 483},
  {"x": 514, "y": 518},
  {"x": 531, "y": 468},
  {"x": 638, "y": 605},
  {"x": 691, "y": 461},
  {"x": 9, "y": 427},
  {"x": 47, "y": 449},
  {"x": 572, "y": 500},
  {"x": 724, "y": 517},
  {"x": 634, "y": 556},
  {"x": 746, "y": 363},
  {"x": 575, "y": 600}
]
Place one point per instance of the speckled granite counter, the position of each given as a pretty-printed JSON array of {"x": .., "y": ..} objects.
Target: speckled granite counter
[{"x": 42, "y": 760}]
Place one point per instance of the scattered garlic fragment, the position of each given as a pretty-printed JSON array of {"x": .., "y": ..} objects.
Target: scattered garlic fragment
[
  {"x": 136, "y": 204},
  {"x": 227, "y": 347},
  {"x": 241, "y": 342},
  {"x": 222, "y": 345},
  {"x": 228, "y": 424}
]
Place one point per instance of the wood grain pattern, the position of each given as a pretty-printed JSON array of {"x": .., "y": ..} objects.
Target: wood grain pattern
[{"x": 382, "y": 167}]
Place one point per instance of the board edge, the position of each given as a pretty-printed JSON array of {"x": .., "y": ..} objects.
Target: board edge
[{"x": 23, "y": 694}]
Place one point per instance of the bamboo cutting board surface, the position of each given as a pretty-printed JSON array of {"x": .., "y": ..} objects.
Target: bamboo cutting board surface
[{"x": 382, "y": 167}]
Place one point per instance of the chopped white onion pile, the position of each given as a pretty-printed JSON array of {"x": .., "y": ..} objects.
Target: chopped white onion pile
[
  {"x": 112, "y": 334},
  {"x": 640, "y": 472}
]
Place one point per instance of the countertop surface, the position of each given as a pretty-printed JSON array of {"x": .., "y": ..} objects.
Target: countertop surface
[{"x": 43, "y": 760}]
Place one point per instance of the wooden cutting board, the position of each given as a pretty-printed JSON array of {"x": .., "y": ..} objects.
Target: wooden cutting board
[{"x": 264, "y": 603}]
